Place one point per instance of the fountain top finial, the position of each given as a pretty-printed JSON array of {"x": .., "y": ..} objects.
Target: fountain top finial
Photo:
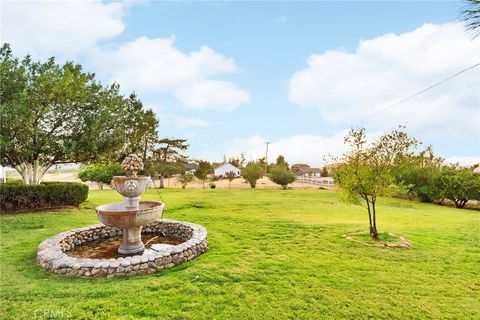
[{"x": 132, "y": 164}]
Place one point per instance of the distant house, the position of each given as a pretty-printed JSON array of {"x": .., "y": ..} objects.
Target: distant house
[
  {"x": 222, "y": 170},
  {"x": 190, "y": 167},
  {"x": 304, "y": 170}
]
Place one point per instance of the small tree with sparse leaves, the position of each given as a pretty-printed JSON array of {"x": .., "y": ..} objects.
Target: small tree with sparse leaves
[
  {"x": 202, "y": 171},
  {"x": 230, "y": 175},
  {"x": 366, "y": 171},
  {"x": 185, "y": 178},
  {"x": 252, "y": 172}
]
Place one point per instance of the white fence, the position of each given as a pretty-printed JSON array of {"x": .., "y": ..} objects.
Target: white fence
[{"x": 316, "y": 180}]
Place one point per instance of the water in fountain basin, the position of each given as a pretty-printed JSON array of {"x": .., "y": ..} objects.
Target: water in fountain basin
[{"x": 108, "y": 248}]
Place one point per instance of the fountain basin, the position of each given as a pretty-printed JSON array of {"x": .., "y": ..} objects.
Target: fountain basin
[
  {"x": 121, "y": 215},
  {"x": 131, "y": 188},
  {"x": 54, "y": 254}
]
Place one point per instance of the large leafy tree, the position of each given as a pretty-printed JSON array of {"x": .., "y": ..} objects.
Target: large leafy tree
[
  {"x": 140, "y": 125},
  {"x": 52, "y": 114},
  {"x": 366, "y": 171},
  {"x": 167, "y": 158}
]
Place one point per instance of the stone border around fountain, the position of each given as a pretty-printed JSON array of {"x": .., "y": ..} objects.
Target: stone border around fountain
[{"x": 51, "y": 253}]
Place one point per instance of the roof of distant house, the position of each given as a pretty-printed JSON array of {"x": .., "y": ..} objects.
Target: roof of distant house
[
  {"x": 190, "y": 166},
  {"x": 300, "y": 165},
  {"x": 227, "y": 165},
  {"x": 304, "y": 168}
]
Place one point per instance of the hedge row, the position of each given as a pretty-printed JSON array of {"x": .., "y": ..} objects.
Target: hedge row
[{"x": 47, "y": 195}]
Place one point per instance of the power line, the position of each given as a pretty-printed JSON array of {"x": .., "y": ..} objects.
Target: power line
[
  {"x": 405, "y": 99},
  {"x": 416, "y": 94},
  {"x": 420, "y": 92}
]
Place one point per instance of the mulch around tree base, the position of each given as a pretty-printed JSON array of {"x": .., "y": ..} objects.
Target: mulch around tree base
[{"x": 403, "y": 244}]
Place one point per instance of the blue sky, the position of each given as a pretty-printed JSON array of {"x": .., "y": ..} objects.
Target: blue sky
[{"x": 293, "y": 73}]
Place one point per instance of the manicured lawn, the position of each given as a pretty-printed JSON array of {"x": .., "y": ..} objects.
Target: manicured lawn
[{"x": 273, "y": 255}]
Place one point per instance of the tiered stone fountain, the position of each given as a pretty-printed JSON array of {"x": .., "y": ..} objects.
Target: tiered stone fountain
[
  {"x": 130, "y": 215},
  {"x": 87, "y": 251}
]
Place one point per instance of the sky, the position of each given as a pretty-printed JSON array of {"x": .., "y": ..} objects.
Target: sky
[{"x": 229, "y": 76}]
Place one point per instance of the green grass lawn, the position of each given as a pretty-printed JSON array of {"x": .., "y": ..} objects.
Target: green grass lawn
[{"x": 273, "y": 254}]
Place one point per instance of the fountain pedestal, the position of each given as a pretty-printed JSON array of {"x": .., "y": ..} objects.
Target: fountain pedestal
[
  {"x": 132, "y": 241},
  {"x": 131, "y": 221}
]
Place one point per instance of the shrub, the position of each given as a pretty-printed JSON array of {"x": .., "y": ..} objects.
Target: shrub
[
  {"x": 47, "y": 195},
  {"x": 202, "y": 171},
  {"x": 420, "y": 181},
  {"x": 100, "y": 173},
  {"x": 252, "y": 172},
  {"x": 460, "y": 185},
  {"x": 185, "y": 178},
  {"x": 419, "y": 174},
  {"x": 212, "y": 185},
  {"x": 282, "y": 176}
]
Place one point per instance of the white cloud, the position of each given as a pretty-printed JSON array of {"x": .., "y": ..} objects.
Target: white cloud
[
  {"x": 185, "y": 122},
  {"x": 221, "y": 95},
  {"x": 310, "y": 149},
  {"x": 46, "y": 28},
  {"x": 156, "y": 65},
  {"x": 80, "y": 29},
  {"x": 347, "y": 87},
  {"x": 463, "y": 161}
]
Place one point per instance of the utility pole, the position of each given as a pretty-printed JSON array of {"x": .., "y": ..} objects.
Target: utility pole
[{"x": 266, "y": 156}]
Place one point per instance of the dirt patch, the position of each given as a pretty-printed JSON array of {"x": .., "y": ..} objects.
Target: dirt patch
[{"x": 392, "y": 240}]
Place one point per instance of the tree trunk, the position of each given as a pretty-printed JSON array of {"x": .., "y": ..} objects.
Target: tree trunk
[
  {"x": 373, "y": 233},
  {"x": 32, "y": 173},
  {"x": 162, "y": 185},
  {"x": 373, "y": 228},
  {"x": 460, "y": 203},
  {"x": 372, "y": 225}
]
